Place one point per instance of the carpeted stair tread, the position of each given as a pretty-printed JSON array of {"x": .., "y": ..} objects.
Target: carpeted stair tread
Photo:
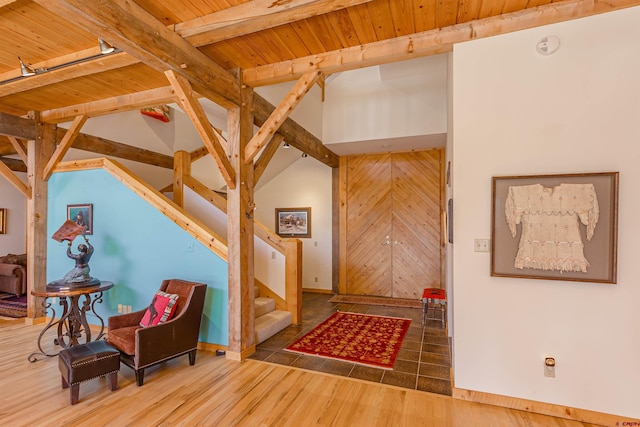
[
  {"x": 270, "y": 324},
  {"x": 264, "y": 305}
]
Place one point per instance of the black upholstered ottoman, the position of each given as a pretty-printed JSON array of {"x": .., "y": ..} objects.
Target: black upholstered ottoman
[{"x": 87, "y": 361}]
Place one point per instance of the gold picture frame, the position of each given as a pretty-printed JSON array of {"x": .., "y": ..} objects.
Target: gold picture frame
[
  {"x": 3, "y": 220},
  {"x": 534, "y": 257}
]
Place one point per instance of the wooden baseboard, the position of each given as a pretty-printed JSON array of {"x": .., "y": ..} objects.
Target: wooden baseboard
[
  {"x": 34, "y": 321},
  {"x": 567, "y": 412},
  {"x": 317, "y": 291},
  {"x": 211, "y": 347},
  {"x": 240, "y": 356}
]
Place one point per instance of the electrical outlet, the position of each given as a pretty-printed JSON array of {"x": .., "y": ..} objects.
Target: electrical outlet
[
  {"x": 273, "y": 255},
  {"x": 549, "y": 367},
  {"x": 119, "y": 308},
  {"x": 316, "y": 280},
  {"x": 481, "y": 245}
]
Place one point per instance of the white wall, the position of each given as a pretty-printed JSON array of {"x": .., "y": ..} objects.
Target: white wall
[
  {"x": 14, "y": 241},
  {"x": 307, "y": 114},
  {"x": 397, "y": 100},
  {"x": 269, "y": 264},
  {"x": 307, "y": 183},
  {"x": 516, "y": 113},
  {"x": 133, "y": 128}
]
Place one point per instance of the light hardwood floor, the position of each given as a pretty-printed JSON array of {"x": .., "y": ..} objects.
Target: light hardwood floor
[{"x": 218, "y": 392}]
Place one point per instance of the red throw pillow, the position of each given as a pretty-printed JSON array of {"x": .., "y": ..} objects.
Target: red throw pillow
[{"x": 160, "y": 310}]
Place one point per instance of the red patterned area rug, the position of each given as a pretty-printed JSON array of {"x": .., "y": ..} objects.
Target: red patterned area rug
[
  {"x": 13, "y": 306},
  {"x": 357, "y": 338}
]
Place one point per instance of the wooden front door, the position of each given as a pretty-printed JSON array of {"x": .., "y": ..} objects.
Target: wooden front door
[{"x": 393, "y": 223}]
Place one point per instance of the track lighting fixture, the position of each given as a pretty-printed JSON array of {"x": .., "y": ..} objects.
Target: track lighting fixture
[
  {"x": 286, "y": 145},
  {"x": 105, "y": 47},
  {"x": 25, "y": 70}
]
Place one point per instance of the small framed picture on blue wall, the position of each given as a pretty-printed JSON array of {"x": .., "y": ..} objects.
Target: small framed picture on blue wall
[{"x": 81, "y": 215}]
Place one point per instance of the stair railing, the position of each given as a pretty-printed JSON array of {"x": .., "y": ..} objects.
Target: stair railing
[{"x": 290, "y": 248}]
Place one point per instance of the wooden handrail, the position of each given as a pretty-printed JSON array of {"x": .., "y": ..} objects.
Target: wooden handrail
[
  {"x": 290, "y": 248},
  {"x": 191, "y": 225}
]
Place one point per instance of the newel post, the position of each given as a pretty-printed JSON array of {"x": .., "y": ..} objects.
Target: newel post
[{"x": 293, "y": 278}]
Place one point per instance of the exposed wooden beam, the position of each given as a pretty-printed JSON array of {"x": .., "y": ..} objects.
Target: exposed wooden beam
[
  {"x": 127, "y": 25},
  {"x": 181, "y": 170},
  {"x": 14, "y": 164},
  {"x": 18, "y": 127},
  {"x": 64, "y": 145},
  {"x": 280, "y": 114},
  {"x": 133, "y": 101},
  {"x": 99, "y": 64},
  {"x": 190, "y": 224},
  {"x": 106, "y": 147},
  {"x": 13, "y": 179},
  {"x": 295, "y": 134},
  {"x": 212, "y": 140},
  {"x": 6, "y": 149},
  {"x": 206, "y": 193},
  {"x": 267, "y": 154},
  {"x": 254, "y": 16},
  {"x": 429, "y": 42},
  {"x": 20, "y": 149},
  {"x": 199, "y": 153}
]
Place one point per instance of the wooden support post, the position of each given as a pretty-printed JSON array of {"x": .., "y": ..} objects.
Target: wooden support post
[
  {"x": 240, "y": 232},
  {"x": 39, "y": 152},
  {"x": 293, "y": 278},
  {"x": 181, "y": 168}
]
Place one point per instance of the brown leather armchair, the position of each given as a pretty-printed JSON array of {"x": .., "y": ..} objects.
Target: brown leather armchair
[{"x": 143, "y": 347}]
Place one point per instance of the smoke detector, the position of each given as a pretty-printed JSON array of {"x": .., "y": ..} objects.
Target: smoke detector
[{"x": 548, "y": 45}]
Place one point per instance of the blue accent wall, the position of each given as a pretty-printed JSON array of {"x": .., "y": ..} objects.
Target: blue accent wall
[{"x": 136, "y": 247}]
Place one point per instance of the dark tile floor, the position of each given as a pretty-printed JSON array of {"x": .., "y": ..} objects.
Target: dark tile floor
[{"x": 423, "y": 363}]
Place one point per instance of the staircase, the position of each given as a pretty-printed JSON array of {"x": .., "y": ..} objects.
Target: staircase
[{"x": 269, "y": 321}]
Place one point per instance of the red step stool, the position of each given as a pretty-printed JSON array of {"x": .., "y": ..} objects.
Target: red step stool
[{"x": 434, "y": 296}]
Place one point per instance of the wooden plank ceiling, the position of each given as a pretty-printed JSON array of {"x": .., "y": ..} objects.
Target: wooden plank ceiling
[{"x": 268, "y": 40}]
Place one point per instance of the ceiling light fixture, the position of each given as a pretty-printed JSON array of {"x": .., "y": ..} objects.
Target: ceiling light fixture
[
  {"x": 286, "y": 145},
  {"x": 304, "y": 154},
  {"x": 105, "y": 47},
  {"x": 25, "y": 70}
]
